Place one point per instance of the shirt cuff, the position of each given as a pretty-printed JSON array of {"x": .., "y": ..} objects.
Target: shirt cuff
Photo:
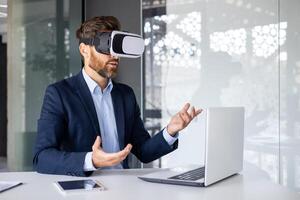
[
  {"x": 88, "y": 163},
  {"x": 169, "y": 139}
]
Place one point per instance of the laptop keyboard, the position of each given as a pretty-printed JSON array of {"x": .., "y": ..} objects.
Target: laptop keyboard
[{"x": 192, "y": 175}]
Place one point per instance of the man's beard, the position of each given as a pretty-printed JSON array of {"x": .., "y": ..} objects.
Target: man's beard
[{"x": 105, "y": 72}]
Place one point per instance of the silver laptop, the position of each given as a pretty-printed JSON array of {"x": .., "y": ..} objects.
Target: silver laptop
[{"x": 224, "y": 144}]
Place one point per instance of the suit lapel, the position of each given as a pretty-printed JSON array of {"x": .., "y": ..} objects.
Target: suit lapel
[
  {"x": 119, "y": 114},
  {"x": 87, "y": 101}
]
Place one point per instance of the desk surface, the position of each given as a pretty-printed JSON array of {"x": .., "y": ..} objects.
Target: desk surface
[{"x": 251, "y": 184}]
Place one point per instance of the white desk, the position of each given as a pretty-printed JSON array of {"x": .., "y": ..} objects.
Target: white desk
[{"x": 252, "y": 184}]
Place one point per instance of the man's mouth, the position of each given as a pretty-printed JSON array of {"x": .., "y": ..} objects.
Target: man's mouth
[{"x": 113, "y": 63}]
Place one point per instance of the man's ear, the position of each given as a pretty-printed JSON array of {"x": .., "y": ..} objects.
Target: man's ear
[{"x": 84, "y": 50}]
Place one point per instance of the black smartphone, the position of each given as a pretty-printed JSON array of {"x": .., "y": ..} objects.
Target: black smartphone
[{"x": 79, "y": 186}]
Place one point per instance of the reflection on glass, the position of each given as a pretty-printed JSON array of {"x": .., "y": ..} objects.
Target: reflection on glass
[
  {"x": 231, "y": 41},
  {"x": 265, "y": 39},
  {"x": 191, "y": 25},
  {"x": 173, "y": 50},
  {"x": 243, "y": 56},
  {"x": 172, "y": 62}
]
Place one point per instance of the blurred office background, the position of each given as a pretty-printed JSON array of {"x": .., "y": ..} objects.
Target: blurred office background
[{"x": 207, "y": 52}]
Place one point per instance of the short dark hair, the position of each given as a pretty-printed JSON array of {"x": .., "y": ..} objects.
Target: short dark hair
[{"x": 90, "y": 27}]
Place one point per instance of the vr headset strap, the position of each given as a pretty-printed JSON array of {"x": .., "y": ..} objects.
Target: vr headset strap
[
  {"x": 87, "y": 41},
  {"x": 101, "y": 42}
]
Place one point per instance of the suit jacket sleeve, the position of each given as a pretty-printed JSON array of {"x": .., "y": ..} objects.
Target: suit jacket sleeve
[
  {"x": 52, "y": 126},
  {"x": 145, "y": 148}
]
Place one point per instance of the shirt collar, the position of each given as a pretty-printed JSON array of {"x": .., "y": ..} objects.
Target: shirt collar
[{"x": 93, "y": 86}]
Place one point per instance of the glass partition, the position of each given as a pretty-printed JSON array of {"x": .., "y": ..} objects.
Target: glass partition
[
  {"x": 41, "y": 50},
  {"x": 226, "y": 53},
  {"x": 290, "y": 95}
]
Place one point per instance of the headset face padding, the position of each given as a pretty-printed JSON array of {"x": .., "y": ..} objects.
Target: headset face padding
[{"x": 102, "y": 42}]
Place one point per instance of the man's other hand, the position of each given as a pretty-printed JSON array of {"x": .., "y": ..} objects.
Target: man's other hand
[
  {"x": 103, "y": 159},
  {"x": 181, "y": 119}
]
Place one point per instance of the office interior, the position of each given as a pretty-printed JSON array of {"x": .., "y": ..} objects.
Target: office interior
[{"x": 207, "y": 52}]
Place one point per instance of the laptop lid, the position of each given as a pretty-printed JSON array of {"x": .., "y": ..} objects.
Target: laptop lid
[
  {"x": 224, "y": 130},
  {"x": 224, "y": 143}
]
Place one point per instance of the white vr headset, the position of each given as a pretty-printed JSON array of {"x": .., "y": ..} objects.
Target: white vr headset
[{"x": 117, "y": 43}]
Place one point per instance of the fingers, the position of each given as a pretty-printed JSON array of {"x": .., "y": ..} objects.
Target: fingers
[
  {"x": 198, "y": 111},
  {"x": 182, "y": 119},
  {"x": 188, "y": 116},
  {"x": 128, "y": 147},
  {"x": 97, "y": 143},
  {"x": 116, "y": 158},
  {"x": 185, "y": 116},
  {"x": 111, "y": 159},
  {"x": 193, "y": 112},
  {"x": 185, "y": 107},
  {"x": 124, "y": 153}
]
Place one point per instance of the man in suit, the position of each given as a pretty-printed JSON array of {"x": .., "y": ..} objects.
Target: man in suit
[{"x": 89, "y": 122}]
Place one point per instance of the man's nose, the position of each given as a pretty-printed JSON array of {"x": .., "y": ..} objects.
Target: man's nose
[{"x": 114, "y": 57}]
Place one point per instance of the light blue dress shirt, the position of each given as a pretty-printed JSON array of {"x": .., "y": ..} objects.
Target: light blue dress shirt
[{"x": 107, "y": 122}]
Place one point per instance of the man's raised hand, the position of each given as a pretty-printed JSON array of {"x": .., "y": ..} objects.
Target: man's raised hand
[{"x": 181, "y": 119}]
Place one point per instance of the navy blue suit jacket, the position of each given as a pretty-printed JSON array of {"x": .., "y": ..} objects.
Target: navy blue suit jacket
[{"x": 68, "y": 127}]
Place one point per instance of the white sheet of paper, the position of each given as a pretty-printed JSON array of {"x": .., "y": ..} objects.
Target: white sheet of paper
[{"x": 5, "y": 185}]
